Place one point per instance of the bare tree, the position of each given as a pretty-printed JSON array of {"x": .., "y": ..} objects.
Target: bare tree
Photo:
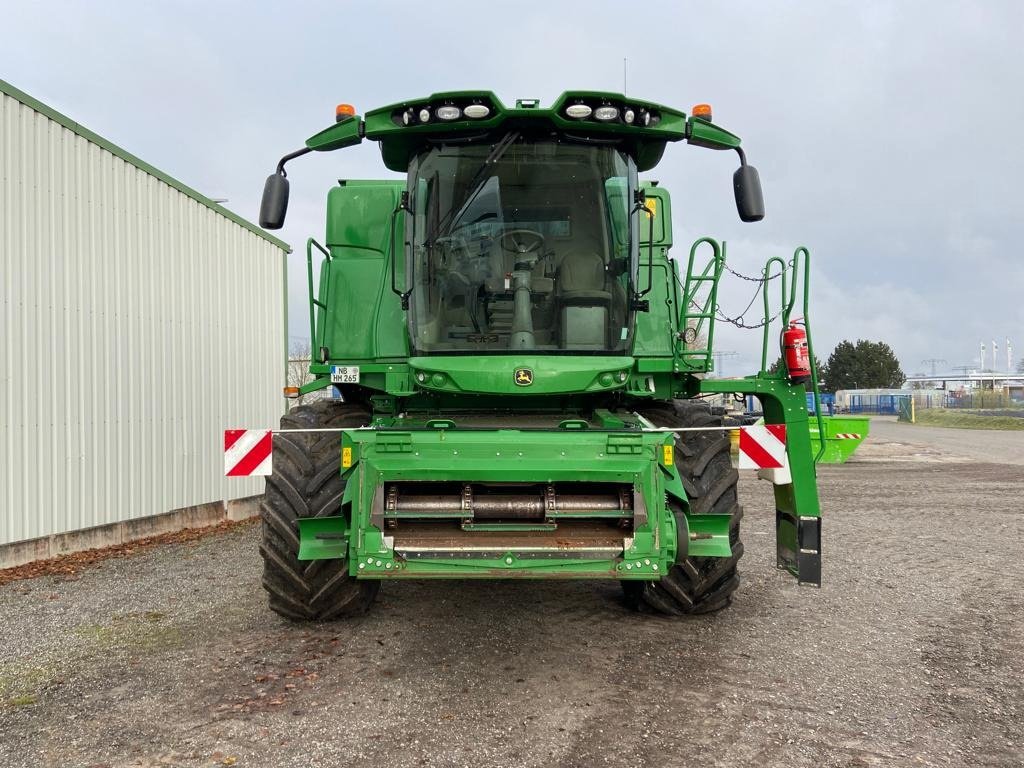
[{"x": 300, "y": 355}]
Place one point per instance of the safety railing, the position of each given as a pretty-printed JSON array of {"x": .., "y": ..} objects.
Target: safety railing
[
  {"x": 316, "y": 340},
  {"x": 800, "y": 271}
]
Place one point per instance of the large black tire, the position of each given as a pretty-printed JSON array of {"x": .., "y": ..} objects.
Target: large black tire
[
  {"x": 696, "y": 584},
  {"x": 307, "y": 482}
]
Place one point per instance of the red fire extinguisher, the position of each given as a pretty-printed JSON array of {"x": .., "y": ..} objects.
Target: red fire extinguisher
[{"x": 794, "y": 349}]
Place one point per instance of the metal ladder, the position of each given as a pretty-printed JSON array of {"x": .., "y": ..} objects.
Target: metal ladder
[{"x": 698, "y": 313}]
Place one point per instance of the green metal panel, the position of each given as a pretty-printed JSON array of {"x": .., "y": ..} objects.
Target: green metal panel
[
  {"x": 359, "y": 214},
  {"x": 656, "y": 329},
  {"x": 344, "y": 133},
  {"x": 796, "y": 502},
  {"x": 497, "y": 374},
  {"x": 506, "y": 456},
  {"x": 365, "y": 320},
  {"x": 660, "y": 203},
  {"x": 838, "y": 449},
  {"x": 322, "y": 538}
]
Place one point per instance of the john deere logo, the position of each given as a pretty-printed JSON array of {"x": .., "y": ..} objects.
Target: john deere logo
[{"x": 524, "y": 377}]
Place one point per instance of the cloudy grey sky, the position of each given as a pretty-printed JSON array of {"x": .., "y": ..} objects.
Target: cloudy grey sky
[{"x": 878, "y": 128}]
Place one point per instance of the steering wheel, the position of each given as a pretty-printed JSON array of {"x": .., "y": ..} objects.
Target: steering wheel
[{"x": 521, "y": 241}]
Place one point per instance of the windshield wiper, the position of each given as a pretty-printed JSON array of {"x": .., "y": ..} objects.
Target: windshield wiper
[{"x": 476, "y": 184}]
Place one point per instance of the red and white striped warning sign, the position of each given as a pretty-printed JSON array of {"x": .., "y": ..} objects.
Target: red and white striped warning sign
[
  {"x": 763, "y": 446},
  {"x": 247, "y": 452},
  {"x": 847, "y": 436}
]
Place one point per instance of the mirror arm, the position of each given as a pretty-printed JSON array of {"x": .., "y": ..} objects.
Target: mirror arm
[
  {"x": 290, "y": 156},
  {"x": 743, "y": 156}
]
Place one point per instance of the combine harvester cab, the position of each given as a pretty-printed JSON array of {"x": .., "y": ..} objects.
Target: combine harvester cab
[{"x": 519, "y": 364}]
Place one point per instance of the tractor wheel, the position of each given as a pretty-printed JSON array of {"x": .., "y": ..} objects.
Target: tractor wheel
[
  {"x": 307, "y": 482},
  {"x": 696, "y": 584}
]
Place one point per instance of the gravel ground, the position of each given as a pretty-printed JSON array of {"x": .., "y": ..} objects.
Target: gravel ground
[{"x": 911, "y": 654}]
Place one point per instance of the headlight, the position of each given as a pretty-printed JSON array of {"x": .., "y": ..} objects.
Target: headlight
[
  {"x": 628, "y": 116},
  {"x": 578, "y": 111},
  {"x": 424, "y": 115},
  {"x": 645, "y": 118},
  {"x": 476, "y": 111},
  {"x": 606, "y": 113},
  {"x": 448, "y": 112}
]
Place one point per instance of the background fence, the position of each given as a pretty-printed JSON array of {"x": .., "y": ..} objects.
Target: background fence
[{"x": 890, "y": 403}]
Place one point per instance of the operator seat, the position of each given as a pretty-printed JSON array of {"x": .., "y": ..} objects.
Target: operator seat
[{"x": 584, "y": 300}]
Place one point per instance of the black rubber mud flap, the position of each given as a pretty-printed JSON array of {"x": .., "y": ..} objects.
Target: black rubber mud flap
[
  {"x": 809, "y": 556},
  {"x": 798, "y": 546}
]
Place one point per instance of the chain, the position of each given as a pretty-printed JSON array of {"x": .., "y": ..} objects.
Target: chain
[
  {"x": 761, "y": 279},
  {"x": 738, "y": 320}
]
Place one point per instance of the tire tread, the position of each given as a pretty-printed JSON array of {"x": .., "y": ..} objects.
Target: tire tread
[
  {"x": 696, "y": 585},
  {"x": 307, "y": 482}
]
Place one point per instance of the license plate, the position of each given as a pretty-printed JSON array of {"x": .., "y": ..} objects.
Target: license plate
[{"x": 344, "y": 374}]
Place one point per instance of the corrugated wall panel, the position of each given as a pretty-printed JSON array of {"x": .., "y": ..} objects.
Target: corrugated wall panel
[{"x": 138, "y": 323}]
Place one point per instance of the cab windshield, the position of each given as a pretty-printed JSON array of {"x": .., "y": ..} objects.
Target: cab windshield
[{"x": 521, "y": 245}]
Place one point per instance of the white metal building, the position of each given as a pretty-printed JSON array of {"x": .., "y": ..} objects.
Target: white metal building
[{"x": 138, "y": 320}]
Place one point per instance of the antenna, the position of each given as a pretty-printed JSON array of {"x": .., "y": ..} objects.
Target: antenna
[
  {"x": 932, "y": 361},
  {"x": 625, "y": 62}
]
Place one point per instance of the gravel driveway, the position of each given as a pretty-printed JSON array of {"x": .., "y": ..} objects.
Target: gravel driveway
[{"x": 911, "y": 654}]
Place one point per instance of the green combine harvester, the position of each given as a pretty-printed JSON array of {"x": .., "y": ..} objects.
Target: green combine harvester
[{"x": 520, "y": 365}]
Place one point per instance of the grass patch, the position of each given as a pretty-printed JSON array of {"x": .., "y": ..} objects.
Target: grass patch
[
  {"x": 131, "y": 631},
  {"x": 127, "y": 634},
  {"x": 20, "y": 684},
  {"x": 938, "y": 417}
]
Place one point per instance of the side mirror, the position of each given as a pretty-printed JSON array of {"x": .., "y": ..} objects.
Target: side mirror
[
  {"x": 275, "y": 202},
  {"x": 749, "y": 201}
]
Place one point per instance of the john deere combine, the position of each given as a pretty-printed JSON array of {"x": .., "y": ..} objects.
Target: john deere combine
[{"x": 520, "y": 365}]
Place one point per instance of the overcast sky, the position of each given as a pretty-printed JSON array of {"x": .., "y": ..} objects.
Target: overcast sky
[{"x": 886, "y": 134}]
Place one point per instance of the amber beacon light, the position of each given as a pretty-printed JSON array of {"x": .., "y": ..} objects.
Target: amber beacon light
[{"x": 703, "y": 111}]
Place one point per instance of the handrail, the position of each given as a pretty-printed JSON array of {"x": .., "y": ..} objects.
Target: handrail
[
  {"x": 313, "y": 301},
  {"x": 807, "y": 328},
  {"x": 767, "y": 277},
  {"x": 801, "y": 257}
]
